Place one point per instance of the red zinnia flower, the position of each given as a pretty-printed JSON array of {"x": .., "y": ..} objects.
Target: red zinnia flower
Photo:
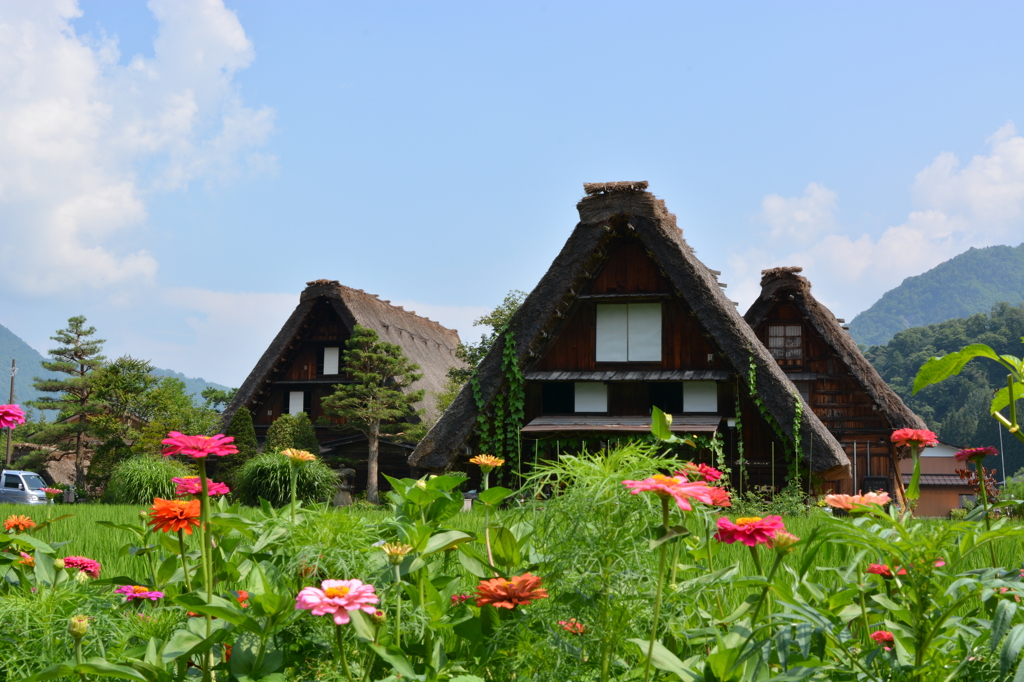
[
  {"x": 922, "y": 438},
  {"x": 11, "y": 416},
  {"x": 243, "y": 599},
  {"x": 719, "y": 497},
  {"x": 85, "y": 565},
  {"x": 882, "y": 637},
  {"x": 507, "y": 594},
  {"x": 751, "y": 531},
  {"x": 573, "y": 626},
  {"x": 198, "y": 446},
  {"x": 19, "y": 521},
  {"x": 880, "y": 569},
  {"x": 709, "y": 474},
  {"x": 459, "y": 599},
  {"x": 192, "y": 485},
  {"x": 974, "y": 453},
  {"x": 174, "y": 515}
]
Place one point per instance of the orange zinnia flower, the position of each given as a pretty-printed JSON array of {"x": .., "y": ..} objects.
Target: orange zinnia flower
[
  {"x": 19, "y": 521},
  {"x": 298, "y": 456},
  {"x": 487, "y": 462},
  {"x": 507, "y": 594},
  {"x": 174, "y": 515}
]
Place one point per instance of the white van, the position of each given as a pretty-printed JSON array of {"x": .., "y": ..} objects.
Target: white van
[{"x": 21, "y": 487}]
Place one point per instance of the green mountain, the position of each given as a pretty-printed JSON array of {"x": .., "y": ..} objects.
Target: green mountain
[
  {"x": 28, "y": 359},
  {"x": 964, "y": 285},
  {"x": 957, "y": 408}
]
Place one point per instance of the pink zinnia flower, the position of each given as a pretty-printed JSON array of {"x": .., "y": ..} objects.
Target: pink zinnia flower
[
  {"x": 337, "y": 597},
  {"x": 675, "y": 487},
  {"x": 975, "y": 453},
  {"x": 459, "y": 599},
  {"x": 198, "y": 447},
  {"x": 11, "y": 416},
  {"x": 133, "y": 592},
  {"x": 88, "y": 566},
  {"x": 709, "y": 474},
  {"x": 922, "y": 438},
  {"x": 849, "y": 502},
  {"x": 573, "y": 626},
  {"x": 192, "y": 485},
  {"x": 751, "y": 531},
  {"x": 882, "y": 637},
  {"x": 880, "y": 569},
  {"x": 719, "y": 497}
]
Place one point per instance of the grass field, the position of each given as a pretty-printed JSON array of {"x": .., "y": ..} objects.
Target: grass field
[{"x": 87, "y": 538}]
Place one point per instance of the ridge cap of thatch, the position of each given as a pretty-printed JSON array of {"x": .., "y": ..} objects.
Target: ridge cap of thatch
[
  {"x": 646, "y": 216},
  {"x": 784, "y": 281}
]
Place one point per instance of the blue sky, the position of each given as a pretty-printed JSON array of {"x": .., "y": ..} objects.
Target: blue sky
[{"x": 177, "y": 171}]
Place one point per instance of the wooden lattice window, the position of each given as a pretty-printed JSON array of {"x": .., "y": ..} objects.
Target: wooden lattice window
[{"x": 785, "y": 341}]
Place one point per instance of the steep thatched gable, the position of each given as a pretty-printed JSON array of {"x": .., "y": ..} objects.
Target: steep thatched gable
[
  {"x": 787, "y": 285},
  {"x": 611, "y": 209},
  {"x": 425, "y": 342}
]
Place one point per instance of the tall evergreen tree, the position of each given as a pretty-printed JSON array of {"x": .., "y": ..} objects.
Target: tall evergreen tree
[
  {"x": 78, "y": 356},
  {"x": 376, "y": 398},
  {"x": 241, "y": 427}
]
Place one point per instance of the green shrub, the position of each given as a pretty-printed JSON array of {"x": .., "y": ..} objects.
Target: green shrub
[
  {"x": 292, "y": 431},
  {"x": 139, "y": 479},
  {"x": 244, "y": 433},
  {"x": 268, "y": 476}
]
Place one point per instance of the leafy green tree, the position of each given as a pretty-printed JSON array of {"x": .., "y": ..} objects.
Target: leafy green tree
[
  {"x": 292, "y": 431},
  {"x": 79, "y": 356},
  {"x": 377, "y": 399},
  {"x": 217, "y": 399},
  {"x": 175, "y": 410},
  {"x": 473, "y": 353},
  {"x": 241, "y": 427}
]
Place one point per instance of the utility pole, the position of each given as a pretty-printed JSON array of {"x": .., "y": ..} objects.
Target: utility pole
[{"x": 10, "y": 430}]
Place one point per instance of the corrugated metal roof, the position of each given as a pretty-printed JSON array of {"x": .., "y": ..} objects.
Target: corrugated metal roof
[
  {"x": 704, "y": 423},
  {"x": 632, "y": 375},
  {"x": 938, "y": 479}
]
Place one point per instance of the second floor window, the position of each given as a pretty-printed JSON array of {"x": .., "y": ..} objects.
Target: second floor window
[
  {"x": 785, "y": 342},
  {"x": 629, "y": 332}
]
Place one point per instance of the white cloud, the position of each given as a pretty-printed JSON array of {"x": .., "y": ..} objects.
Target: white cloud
[
  {"x": 801, "y": 218},
  {"x": 84, "y": 139},
  {"x": 978, "y": 205}
]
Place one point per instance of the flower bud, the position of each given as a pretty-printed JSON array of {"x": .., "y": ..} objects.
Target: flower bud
[
  {"x": 58, "y": 564},
  {"x": 421, "y": 484},
  {"x": 668, "y": 418},
  {"x": 378, "y": 617},
  {"x": 395, "y": 552},
  {"x": 783, "y": 542},
  {"x": 78, "y": 626},
  {"x": 144, "y": 514}
]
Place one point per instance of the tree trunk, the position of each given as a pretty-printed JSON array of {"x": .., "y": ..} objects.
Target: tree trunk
[
  {"x": 373, "y": 436},
  {"x": 79, "y": 463}
]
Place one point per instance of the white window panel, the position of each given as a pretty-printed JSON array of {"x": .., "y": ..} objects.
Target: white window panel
[
  {"x": 331, "y": 360},
  {"x": 644, "y": 332},
  {"x": 613, "y": 333},
  {"x": 591, "y": 396},
  {"x": 700, "y": 396},
  {"x": 295, "y": 401}
]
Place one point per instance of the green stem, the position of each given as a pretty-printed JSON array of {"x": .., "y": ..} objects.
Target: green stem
[
  {"x": 767, "y": 588},
  {"x": 398, "y": 607},
  {"x": 152, "y": 568},
  {"x": 657, "y": 594},
  {"x": 78, "y": 656},
  {"x": 982, "y": 488},
  {"x": 341, "y": 652},
  {"x": 184, "y": 562},
  {"x": 711, "y": 563},
  {"x": 295, "y": 485},
  {"x": 207, "y": 551},
  {"x": 757, "y": 560}
]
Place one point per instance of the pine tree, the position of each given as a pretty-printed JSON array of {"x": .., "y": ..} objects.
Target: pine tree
[
  {"x": 375, "y": 399},
  {"x": 79, "y": 356},
  {"x": 241, "y": 427}
]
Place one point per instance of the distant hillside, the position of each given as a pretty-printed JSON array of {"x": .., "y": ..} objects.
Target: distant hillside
[
  {"x": 28, "y": 359},
  {"x": 967, "y": 284}
]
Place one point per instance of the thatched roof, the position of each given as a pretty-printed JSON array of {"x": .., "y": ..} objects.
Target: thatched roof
[
  {"x": 425, "y": 342},
  {"x": 625, "y": 207},
  {"x": 785, "y": 283}
]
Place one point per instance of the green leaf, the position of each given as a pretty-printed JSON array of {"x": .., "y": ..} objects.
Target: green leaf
[
  {"x": 494, "y": 496},
  {"x": 475, "y": 565},
  {"x": 123, "y": 526},
  {"x": 663, "y": 659},
  {"x": 44, "y": 569},
  {"x": 397, "y": 660},
  {"x": 914, "y": 489},
  {"x": 660, "y": 428},
  {"x": 1011, "y": 649},
  {"x": 670, "y": 535},
  {"x": 1005, "y": 611},
  {"x": 53, "y": 672},
  {"x": 219, "y": 608},
  {"x": 446, "y": 540},
  {"x": 1002, "y": 397},
  {"x": 99, "y": 666},
  {"x": 505, "y": 547},
  {"x": 365, "y": 630},
  {"x": 939, "y": 369},
  {"x": 1019, "y": 677}
]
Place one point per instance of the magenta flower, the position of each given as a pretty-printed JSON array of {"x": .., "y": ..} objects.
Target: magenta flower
[
  {"x": 921, "y": 438},
  {"x": 52, "y": 492},
  {"x": 88, "y": 566},
  {"x": 676, "y": 487},
  {"x": 198, "y": 447},
  {"x": 975, "y": 454},
  {"x": 11, "y": 416},
  {"x": 751, "y": 531},
  {"x": 709, "y": 474},
  {"x": 133, "y": 592},
  {"x": 337, "y": 598},
  {"x": 191, "y": 485}
]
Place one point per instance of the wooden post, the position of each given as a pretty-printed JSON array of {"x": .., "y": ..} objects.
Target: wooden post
[{"x": 10, "y": 430}]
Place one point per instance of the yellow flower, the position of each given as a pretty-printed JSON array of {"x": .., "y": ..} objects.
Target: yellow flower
[
  {"x": 395, "y": 551},
  {"x": 298, "y": 456},
  {"x": 487, "y": 462}
]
